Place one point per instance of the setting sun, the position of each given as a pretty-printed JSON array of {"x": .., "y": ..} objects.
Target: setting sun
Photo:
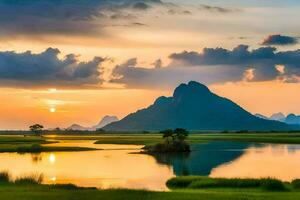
[{"x": 52, "y": 110}]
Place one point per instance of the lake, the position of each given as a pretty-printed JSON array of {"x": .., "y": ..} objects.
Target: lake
[{"x": 121, "y": 166}]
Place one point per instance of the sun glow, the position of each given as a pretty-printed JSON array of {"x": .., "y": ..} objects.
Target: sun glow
[
  {"x": 52, "y": 110},
  {"x": 52, "y": 158}
]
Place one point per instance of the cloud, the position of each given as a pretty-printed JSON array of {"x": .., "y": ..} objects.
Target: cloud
[
  {"x": 66, "y": 17},
  {"x": 280, "y": 40},
  {"x": 47, "y": 70},
  {"x": 217, "y": 9},
  {"x": 214, "y": 65}
]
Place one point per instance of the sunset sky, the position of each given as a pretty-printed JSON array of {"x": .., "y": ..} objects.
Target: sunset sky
[{"x": 65, "y": 62}]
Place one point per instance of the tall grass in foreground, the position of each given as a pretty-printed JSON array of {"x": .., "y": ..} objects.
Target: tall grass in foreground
[
  {"x": 30, "y": 179},
  {"x": 35, "y": 179},
  {"x": 4, "y": 177},
  {"x": 201, "y": 182}
]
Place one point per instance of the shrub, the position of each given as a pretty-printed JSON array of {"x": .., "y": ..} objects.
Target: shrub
[
  {"x": 31, "y": 179},
  {"x": 182, "y": 182},
  {"x": 272, "y": 185},
  {"x": 296, "y": 183},
  {"x": 222, "y": 182},
  {"x": 198, "y": 182},
  {"x": 4, "y": 177},
  {"x": 175, "y": 146}
]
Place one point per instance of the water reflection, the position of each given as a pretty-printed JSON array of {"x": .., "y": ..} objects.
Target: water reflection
[
  {"x": 103, "y": 169},
  {"x": 36, "y": 157},
  {"x": 278, "y": 161},
  {"x": 121, "y": 165},
  {"x": 203, "y": 158}
]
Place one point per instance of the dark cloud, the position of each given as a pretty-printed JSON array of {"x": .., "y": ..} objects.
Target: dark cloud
[
  {"x": 65, "y": 16},
  {"x": 214, "y": 65},
  {"x": 177, "y": 11},
  {"x": 280, "y": 40},
  {"x": 47, "y": 70},
  {"x": 217, "y": 9},
  {"x": 141, "y": 6}
]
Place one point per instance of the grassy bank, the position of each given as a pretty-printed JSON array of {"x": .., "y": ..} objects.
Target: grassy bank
[
  {"x": 29, "y": 143},
  {"x": 30, "y": 188},
  {"x": 146, "y": 139},
  {"x": 203, "y": 182},
  {"x": 32, "y": 144}
]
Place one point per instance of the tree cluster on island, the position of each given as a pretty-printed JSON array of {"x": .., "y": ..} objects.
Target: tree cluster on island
[{"x": 174, "y": 141}]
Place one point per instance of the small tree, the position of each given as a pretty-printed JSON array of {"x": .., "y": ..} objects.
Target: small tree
[
  {"x": 181, "y": 134},
  {"x": 168, "y": 133},
  {"x": 37, "y": 129}
]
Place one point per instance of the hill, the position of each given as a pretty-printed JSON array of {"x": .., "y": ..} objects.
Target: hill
[{"x": 194, "y": 107}]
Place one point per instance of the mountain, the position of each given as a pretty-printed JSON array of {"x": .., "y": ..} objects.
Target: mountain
[
  {"x": 104, "y": 121},
  {"x": 292, "y": 119},
  {"x": 194, "y": 107},
  {"x": 261, "y": 116},
  {"x": 77, "y": 127},
  {"x": 289, "y": 119},
  {"x": 278, "y": 117}
]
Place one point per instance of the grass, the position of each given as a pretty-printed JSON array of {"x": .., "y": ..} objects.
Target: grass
[
  {"x": 30, "y": 180},
  {"x": 200, "y": 182},
  {"x": 67, "y": 192},
  {"x": 4, "y": 177},
  {"x": 27, "y": 144},
  {"x": 150, "y": 139},
  {"x": 30, "y": 188},
  {"x": 32, "y": 144}
]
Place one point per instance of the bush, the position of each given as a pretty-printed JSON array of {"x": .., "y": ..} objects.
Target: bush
[
  {"x": 175, "y": 146},
  {"x": 181, "y": 182},
  {"x": 296, "y": 184},
  {"x": 4, "y": 177},
  {"x": 32, "y": 179},
  {"x": 272, "y": 185},
  {"x": 222, "y": 182},
  {"x": 198, "y": 182}
]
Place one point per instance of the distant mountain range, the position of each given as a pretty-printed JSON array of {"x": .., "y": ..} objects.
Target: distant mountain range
[
  {"x": 194, "y": 107},
  {"x": 289, "y": 119},
  {"x": 103, "y": 122}
]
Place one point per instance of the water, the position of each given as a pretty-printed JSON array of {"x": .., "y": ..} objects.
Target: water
[{"x": 121, "y": 166}]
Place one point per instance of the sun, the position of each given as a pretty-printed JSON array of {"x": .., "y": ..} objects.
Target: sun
[{"x": 52, "y": 110}]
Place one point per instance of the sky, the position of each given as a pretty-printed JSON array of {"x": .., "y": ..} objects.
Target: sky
[{"x": 64, "y": 61}]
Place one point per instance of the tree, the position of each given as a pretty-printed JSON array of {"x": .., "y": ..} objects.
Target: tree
[
  {"x": 181, "y": 134},
  {"x": 37, "y": 129},
  {"x": 167, "y": 134}
]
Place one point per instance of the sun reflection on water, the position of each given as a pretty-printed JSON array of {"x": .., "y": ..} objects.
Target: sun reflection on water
[{"x": 52, "y": 158}]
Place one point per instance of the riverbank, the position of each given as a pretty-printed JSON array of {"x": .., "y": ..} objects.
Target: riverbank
[
  {"x": 33, "y": 144},
  {"x": 65, "y": 192},
  {"x": 18, "y": 143}
]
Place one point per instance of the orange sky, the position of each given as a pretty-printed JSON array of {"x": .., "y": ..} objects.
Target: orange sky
[{"x": 148, "y": 36}]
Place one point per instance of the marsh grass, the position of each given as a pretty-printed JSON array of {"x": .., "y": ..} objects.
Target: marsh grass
[
  {"x": 4, "y": 177},
  {"x": 34, "y": 148},
  {"x": 30, "y": 179},
  {"x": 200, "y": 182}
]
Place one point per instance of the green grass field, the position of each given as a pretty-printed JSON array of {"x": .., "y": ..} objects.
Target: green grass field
[
  {"x": 15, "y": 143},
  {"x": 32, "y": 144},
  {"x": 37, "y": 192}
]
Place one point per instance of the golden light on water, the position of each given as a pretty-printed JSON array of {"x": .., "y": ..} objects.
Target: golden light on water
[
  {"x": 52, "y": 158},
  {"x": 52, "y": 90}
]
